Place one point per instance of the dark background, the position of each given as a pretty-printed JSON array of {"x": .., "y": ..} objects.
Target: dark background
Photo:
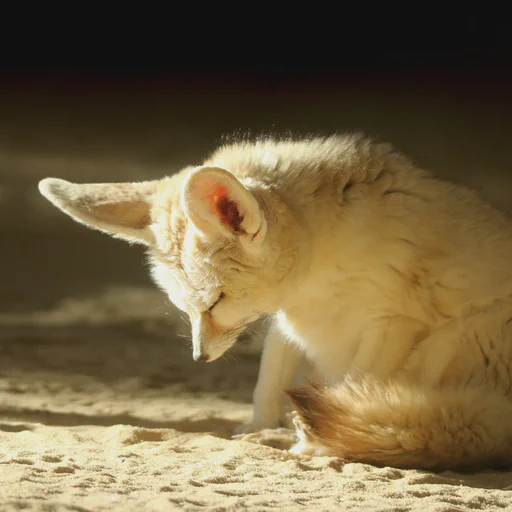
[{"x": 152, "y": 101}]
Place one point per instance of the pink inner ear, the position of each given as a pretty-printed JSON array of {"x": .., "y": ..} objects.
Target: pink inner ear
[
  {"x": 225, "y": 208},
  {"x": 218, "y": 192}
]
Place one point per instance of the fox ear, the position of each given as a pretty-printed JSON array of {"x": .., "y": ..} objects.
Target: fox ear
[
  {"x": 119, "y": 209},
  {"x": 217, "y": 203}
]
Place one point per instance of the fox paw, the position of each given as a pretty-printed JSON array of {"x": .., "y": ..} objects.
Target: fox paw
[
  {"x": 281, "y": 438},
  {"x": 264, "y": 424},
  {"x": 303, "y": 430},
  {"x": 250, "y": 428},
  {"x": 305, "y": 443}
]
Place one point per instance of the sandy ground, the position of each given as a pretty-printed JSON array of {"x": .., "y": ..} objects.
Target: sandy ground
[
  {"x": 101, "y": 405},
  {"x": 99, "y": 411}
]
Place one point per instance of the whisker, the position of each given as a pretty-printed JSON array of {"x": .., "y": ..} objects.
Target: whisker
[
  {"x": 230, "y": 356},
  {"x": 185, "y": 319},
  {"x": 256, "y": 334}
]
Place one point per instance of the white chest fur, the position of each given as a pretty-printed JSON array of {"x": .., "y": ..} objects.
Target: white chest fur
[{"x": 355, "y": 323}]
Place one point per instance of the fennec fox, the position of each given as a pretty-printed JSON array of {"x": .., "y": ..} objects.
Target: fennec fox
[{"x": 395, "y": 285}]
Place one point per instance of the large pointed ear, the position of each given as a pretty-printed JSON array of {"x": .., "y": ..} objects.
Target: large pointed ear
[
  {"x": 119, "y": 209},
  {"x": 217, "y": 203}
]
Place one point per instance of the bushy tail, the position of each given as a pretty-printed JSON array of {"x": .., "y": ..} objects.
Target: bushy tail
[{"x": 401, "y": 425}]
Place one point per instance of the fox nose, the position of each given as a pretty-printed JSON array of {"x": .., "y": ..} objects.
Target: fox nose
[{"x": 201, "y": 358}]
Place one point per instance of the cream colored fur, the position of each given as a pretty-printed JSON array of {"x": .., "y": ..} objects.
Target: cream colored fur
[{"x": 371, "y": 267}]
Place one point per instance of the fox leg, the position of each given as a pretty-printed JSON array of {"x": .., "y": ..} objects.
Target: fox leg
[
  {"x": 279, "y": 363},
  {"x": 474, "y": 349}
]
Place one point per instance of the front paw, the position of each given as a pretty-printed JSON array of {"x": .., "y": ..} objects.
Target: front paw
[
  {"x": 256, "y": 426},
  {"x": 280, "y": 438}
]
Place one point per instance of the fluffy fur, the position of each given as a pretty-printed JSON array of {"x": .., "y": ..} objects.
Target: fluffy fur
[
  {"x": 395, "y": 285},
  {"x": 402, "y": 424}
]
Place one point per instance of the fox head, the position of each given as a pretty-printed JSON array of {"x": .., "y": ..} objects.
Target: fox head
[{"x": 222, "y": 248}]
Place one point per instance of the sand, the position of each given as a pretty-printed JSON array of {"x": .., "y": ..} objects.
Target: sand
[{"x": 103, "y": 408}]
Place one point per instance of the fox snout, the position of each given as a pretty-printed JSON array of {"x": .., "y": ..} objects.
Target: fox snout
[
  {"x": 201, "y": 357},
  {"x": 210, "y": 350},
  {"x": 208, "y": 340}
]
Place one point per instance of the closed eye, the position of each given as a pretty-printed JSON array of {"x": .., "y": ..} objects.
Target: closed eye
[{"x": 221, "y": 296}]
